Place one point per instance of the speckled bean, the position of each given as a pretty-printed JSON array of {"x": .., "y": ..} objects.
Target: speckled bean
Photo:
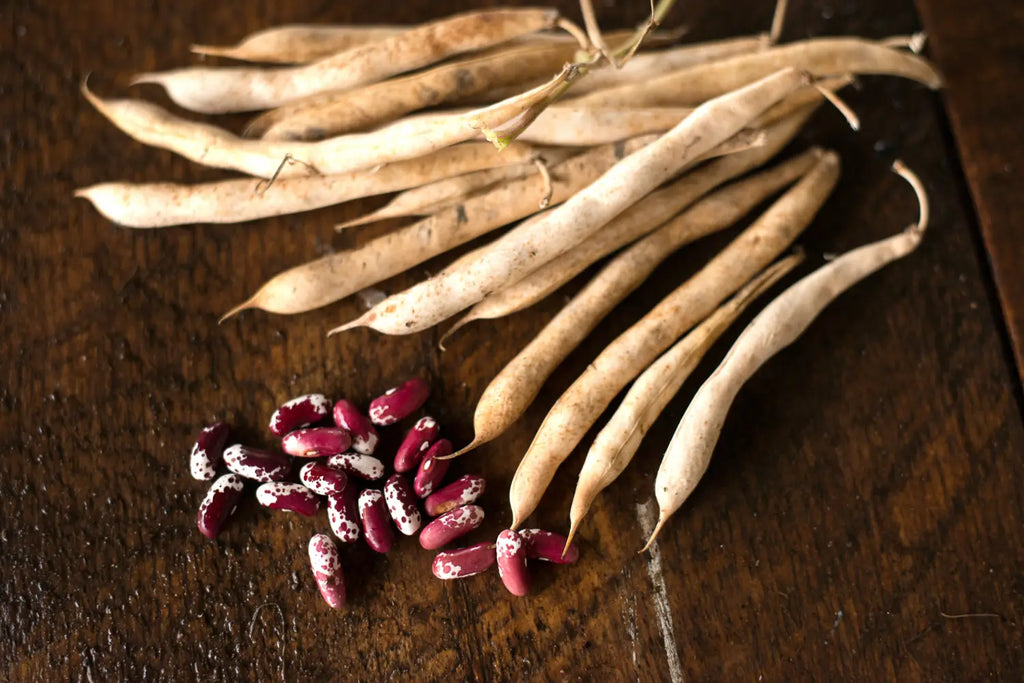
[
  {"x": 464, "y": 490},
  {"x": 343, "y": 516},
  {"x": 432, "y": 470},
  {"x": 358, "y": 465},
  {"x": 220, "y": 502},
  {"x": 256, "y": 463},
  {"x": 458, "y": 564},
  {"x": 399, "y": 402},
  {"x": 547, "y": 546},
  {"x": 322, "y": 479},
  {"x": 208, "y": 451},
  {"x": 316, "y": 442},
  {"x": 416, "y": 442},
  {"x": 299, "y": 412},
  {"x": 376, "y": 524},
  {"x": 284, "y": 495},
  {"x": 511, "y": 555},
  {"x": 451, "y": 525},
  {"x": 326, "y": 565},
  {"x": 350, "y": 418},
  {"x": 402, "y": 504}
]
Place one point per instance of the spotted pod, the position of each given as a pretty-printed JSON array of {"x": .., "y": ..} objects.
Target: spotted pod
[
  {"x": 547, "y": 546},
  {"x": 322, "y": 479},
  {"x": 316, "y": 442},
  {"x": 450, "y": 526},
  {"x": 326, "y": 565},
  {"x": 299, "y": 412},
  {"x": 256, "y": 463},
  {"x": 511, "y": 555},
  {"x": 358, "y": 465},
  {"x": 416, "y": 442},
  {"x": 376, "y": 523},
  {"x": 351, "y": 419},
  {"x": 208, "y": 451},
  {"x": 462, "y": 491},
  {"x": 401, "y": 504},
  {"x": 284, "y": 495},
  {"x": 343, "y": 516},
  {"x": 458, "y": 564},
  {"x": 399, "y": 402},
  {"x": 431, "y": 470},
  {"x": 219, "y": 503}
]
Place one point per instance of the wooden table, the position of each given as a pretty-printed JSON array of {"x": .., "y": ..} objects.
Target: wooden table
[{"x": 863, "y": 517}]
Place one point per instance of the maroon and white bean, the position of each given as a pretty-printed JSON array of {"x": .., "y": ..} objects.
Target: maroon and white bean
[
  {"x": 402, "y": 504},
  {"x": 358, "y": 465},
  {"x": 458, "y": 564},
  {"x": 376, "y": 523},
  {"x": 284, "y": 495},
  {"x": 326, "y": 564},
  {"x": 399, "y": 402},
  {"x": 548, "y": 546},
  {"x": 343, "y": 516},
  {"x": 299, "y": 412},
  {"x": 416, "y": 442},
  {"x": 511, "y": 555},
  {"x": 364, "y": 436},
  {"x": 208, "y": 451},
  {"x": 256, "y": 463},
  {"x": 316, "y": 442},
  {"x": 322, "y": 479},
  {"x": 219, "y": 503},
  {"x": 451, "y": 525},
  {"x": 432, "y": 470},
  {"x": 464, "y": 490}
]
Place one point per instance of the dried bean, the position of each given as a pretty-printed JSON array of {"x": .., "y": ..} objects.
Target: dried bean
[
  {"x": 343, "y": 516},
  {"x": 220, "y": 502},
  {"x": 256, "y": 463},
  {"x": 322, "y": 479},
  {"x": 299, "y": 412},
  {"x": 464, "y": 490},
  {"x": 511, "y": 555},
  {"x": 283, "y": 495},
  {"x": 208, "y": 451},
  {"x": 376, "y": 525},
  {"x": 402, "y": 504},
  {"x": 458, "y": 564},
  {"x": 350, "y": 418},
  {"x": 416, "y": 443},
  {"x": 316, "y": 442},
  {"x": 323, "y": 558},
  {"x": 358, "y": 465},
  {"x": 398, "y": 402},
  {"x": 451, "y": 525},
  {"x": 548, "y": 546},
  {"x": 432, "y": 470}
]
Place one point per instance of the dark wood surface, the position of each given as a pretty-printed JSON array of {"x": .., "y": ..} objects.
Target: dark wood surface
[{"x": 863, "y": 517}]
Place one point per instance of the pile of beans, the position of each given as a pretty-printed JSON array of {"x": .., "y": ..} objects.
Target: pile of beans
[{"x": 339, "y": 467}]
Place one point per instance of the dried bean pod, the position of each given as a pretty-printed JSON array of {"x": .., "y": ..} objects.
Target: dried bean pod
[
  {"x": 343, "y": 516},
  {"x": 451, "y": 525},
  {"x": 316, "y": 442},
  {"x": 402, "y": 504},
  {"x": 464, "y": 490},
  {"x": 432, "y": 470},
  {"x": 358, "y": 465},
  {"x": 416, "y": 443},
  {"x": 220, "y": 502},
  {"x": 323, "y": 558},
  {"x": 208, "y": 451},
  {"x": 398, "y": 402},
  {"x": 322, "y": 479},
  {"x": 283, "y": 495},
  {"x": 511, "y": 555},
  {"x": 299, "y": 412},
  {"x": 548, "y": 546},
  {"x": 364, "y": 436},
  {"x": 376, "y": 523},
  {"x": 256, "y": 463},
  {"x": 458, "y": 564}
]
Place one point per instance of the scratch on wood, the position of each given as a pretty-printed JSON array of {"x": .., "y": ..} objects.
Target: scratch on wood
[{"x": 647, "y": 516}]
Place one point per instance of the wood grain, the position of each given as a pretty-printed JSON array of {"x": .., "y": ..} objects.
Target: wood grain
[{"x": 867, "y": 482}]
